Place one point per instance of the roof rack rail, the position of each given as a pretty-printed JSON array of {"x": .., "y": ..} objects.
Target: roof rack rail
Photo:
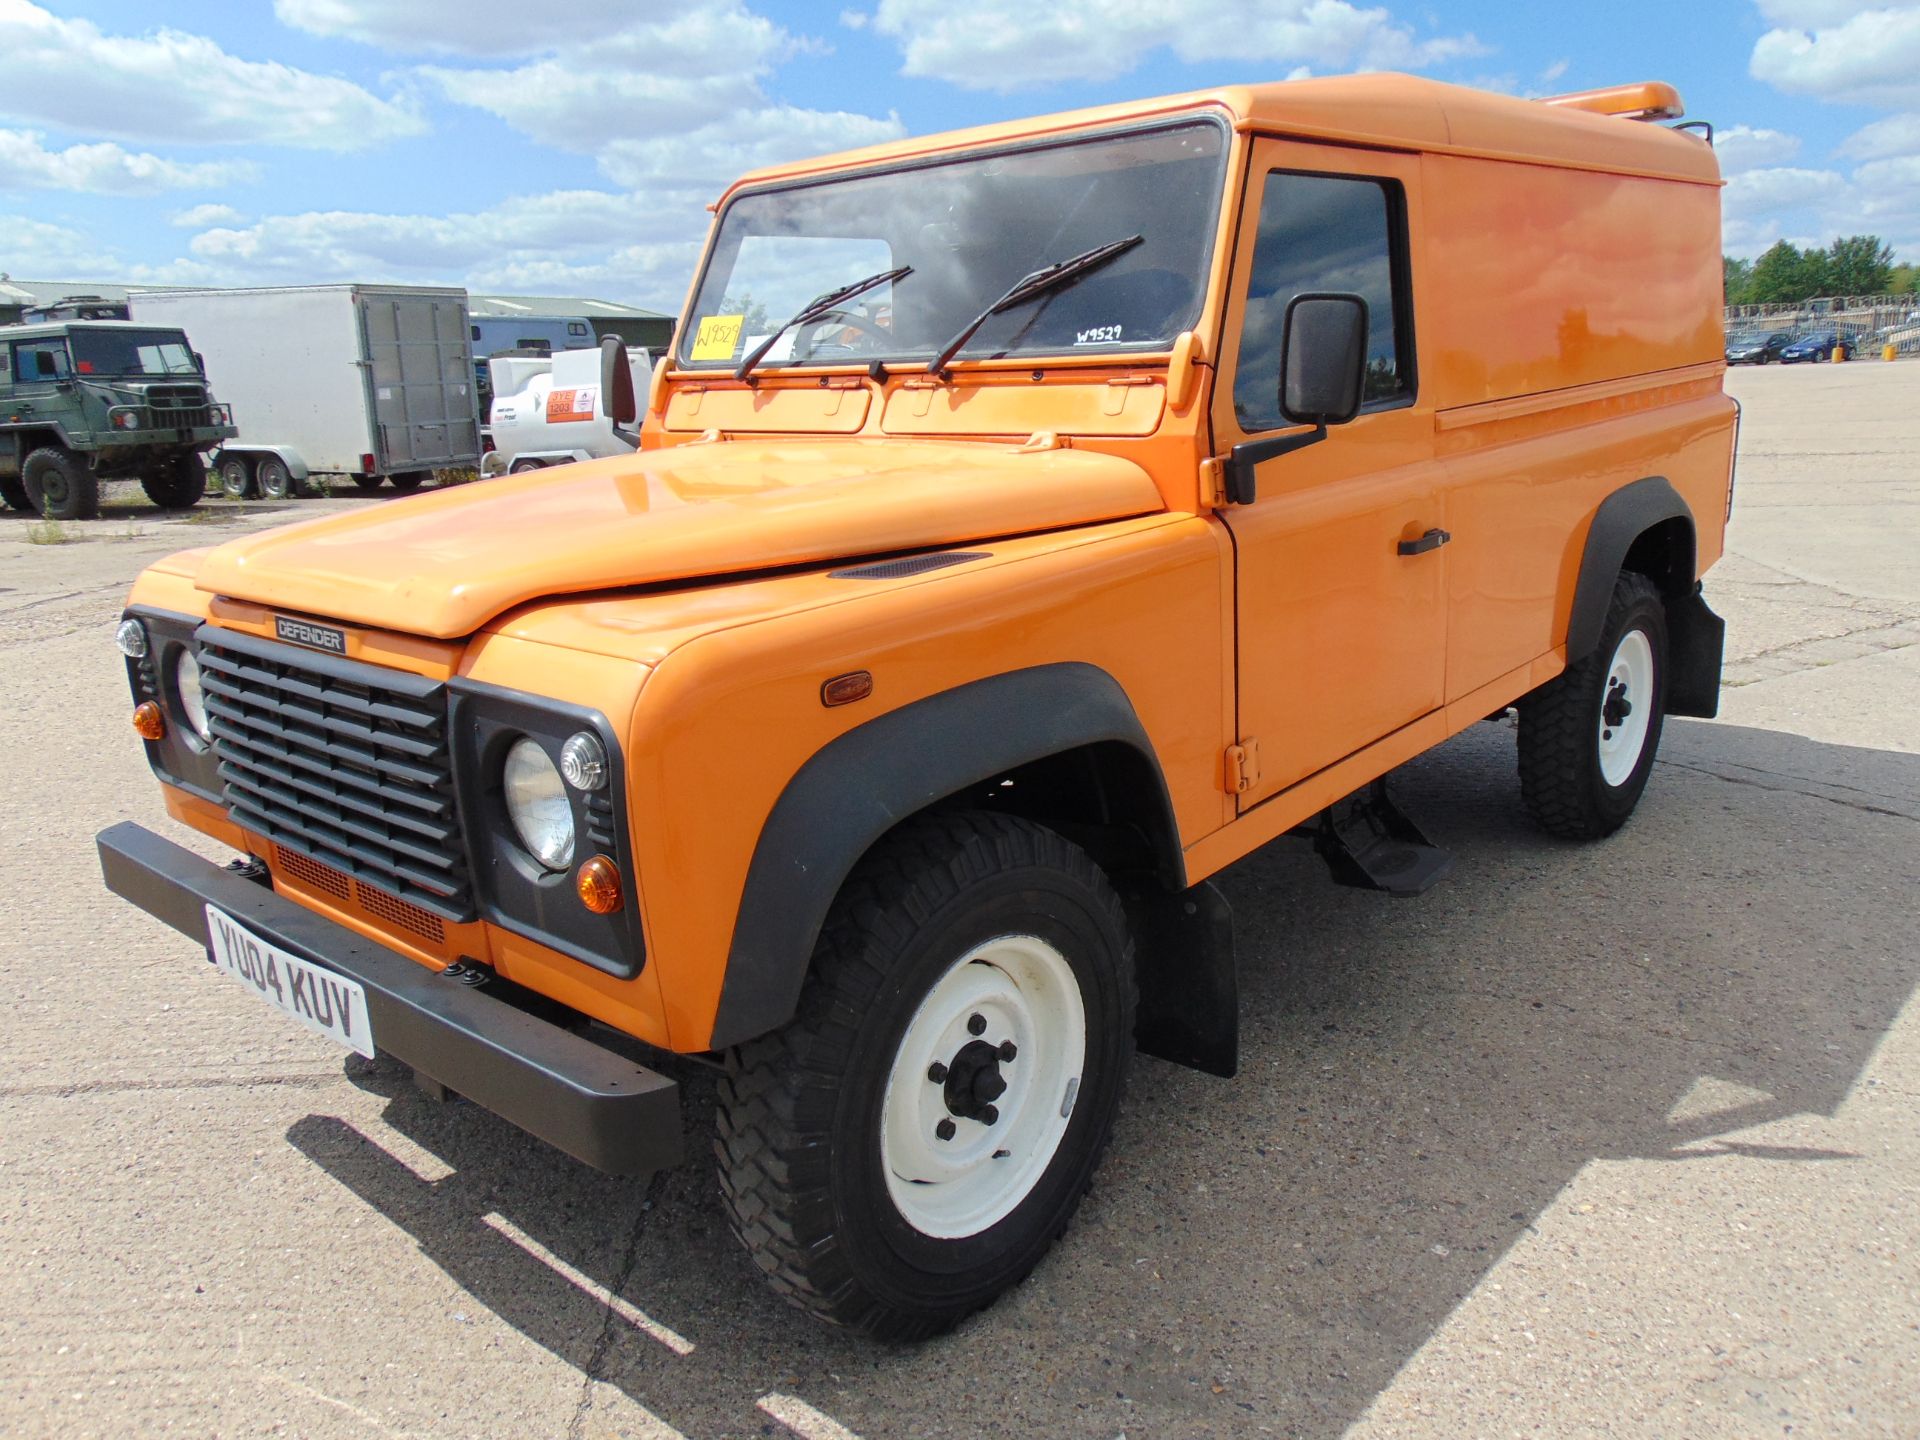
[{"x": 1648, "y": 100}]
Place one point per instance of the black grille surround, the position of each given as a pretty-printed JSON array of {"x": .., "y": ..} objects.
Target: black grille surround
[{"x": 340, "y": 761}]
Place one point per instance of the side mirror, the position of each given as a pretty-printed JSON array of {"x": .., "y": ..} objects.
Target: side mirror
[
  {"x": 1323, "y": 367},
  {"x": 617, "y": 400},
  {"x": 1323, "y": 359}
]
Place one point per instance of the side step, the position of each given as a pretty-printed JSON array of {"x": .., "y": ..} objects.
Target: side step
[{"x": 1370, "y": 844}]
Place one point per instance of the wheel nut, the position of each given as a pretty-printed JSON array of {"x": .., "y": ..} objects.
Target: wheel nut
[
  {"x": 976, "y": 1024},
  {"x": 1008, "y": 1050},
  {"x": 945, "y": 1129},
  {"x": 989, "y": 1115},
  {"x": 937, "y": 1073}
]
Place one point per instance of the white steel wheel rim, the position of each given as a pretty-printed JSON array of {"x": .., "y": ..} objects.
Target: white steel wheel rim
[
  {"x": 1027, "y": 994},
  {"x": 233, "y": 479},
  {"x": 275, "y": 480},
  {"x": 1629, "y": 685}
]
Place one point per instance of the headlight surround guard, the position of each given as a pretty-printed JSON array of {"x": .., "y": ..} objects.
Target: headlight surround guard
[
  {"x": 512, "y": 889},
  {"x": 182, "y": 759}
]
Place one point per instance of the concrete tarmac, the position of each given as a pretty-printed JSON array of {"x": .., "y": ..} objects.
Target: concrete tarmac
[{"x": 1591, "y": 1140}]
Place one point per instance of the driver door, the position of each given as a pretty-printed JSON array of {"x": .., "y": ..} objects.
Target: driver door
[{"x": 1341, "y": 637}]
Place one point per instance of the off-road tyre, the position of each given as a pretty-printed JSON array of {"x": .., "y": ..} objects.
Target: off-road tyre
[
  {"x": 176, "y": 483},
  {"x": 60, "y": 485},
  {"x": 366, "y": 484},
  {"x": 13, "y": 493},
  {"x": 799, "y": 1137},
  {"x": 409, "y": 482},
  {"x": 1563, "y": 729}
]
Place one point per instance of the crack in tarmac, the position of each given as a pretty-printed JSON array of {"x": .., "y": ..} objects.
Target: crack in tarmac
[
  {"x": 603, "y": 1342},
  {"x": 1796, "y": 790},
  {"x": 119, "y": 1087}
]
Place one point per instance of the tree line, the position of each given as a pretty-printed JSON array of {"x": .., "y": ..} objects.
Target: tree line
[{"x": 1786, "y": 274}]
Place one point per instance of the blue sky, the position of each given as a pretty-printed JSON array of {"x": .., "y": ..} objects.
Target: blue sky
[{"x": 512, "y": 146}]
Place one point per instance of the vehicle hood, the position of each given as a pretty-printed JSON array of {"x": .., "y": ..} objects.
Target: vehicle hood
[{"x": 444, "y": 563}]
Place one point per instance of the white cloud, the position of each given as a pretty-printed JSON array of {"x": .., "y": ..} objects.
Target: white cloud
[
  {"x": 458, "y": 27},
  {"x": 650, "y": 78},
  {"x": 855, "y": 19},
  {"x": 1810, "y": 14},
  {"x": 705, "y": 160},
  {"x": 1758, "y": 192},
  {"x": 1012, "y": 44},
  {"x": 1883, "y": 139},
  {"x": 105, "y": 168},
  {"x": 1554, "y": 71},
  {"x": 35, "y": 248},
  {"x": 1870, "y": 56},
  {"x": 199, "y": 217},
  {"x": 176, "y": 87},
  {"x": 1742, "y": 147}
]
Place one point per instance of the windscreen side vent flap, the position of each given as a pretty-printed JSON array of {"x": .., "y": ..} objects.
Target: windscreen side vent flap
[{"x": 911, "y": 565}]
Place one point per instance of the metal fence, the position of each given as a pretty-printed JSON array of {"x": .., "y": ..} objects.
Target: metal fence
[{"x": 1866, "y": 324}]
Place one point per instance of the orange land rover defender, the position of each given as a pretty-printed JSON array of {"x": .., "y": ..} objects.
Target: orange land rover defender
[{"x": 1027, "y": 523}]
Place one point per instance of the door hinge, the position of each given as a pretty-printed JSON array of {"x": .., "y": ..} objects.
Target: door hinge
[
  {"x": 1243, "y": 767},
  {"x": 1213, "y": 484}
]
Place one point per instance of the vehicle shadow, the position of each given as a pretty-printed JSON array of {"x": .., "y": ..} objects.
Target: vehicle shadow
[{"x": 1419, "y": 1082}]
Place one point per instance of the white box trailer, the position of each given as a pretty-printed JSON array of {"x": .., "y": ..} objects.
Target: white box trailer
[{"x": 365, "y": 382}]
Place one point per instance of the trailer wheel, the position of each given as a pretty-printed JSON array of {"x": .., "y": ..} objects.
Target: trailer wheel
[
  {"x": 273, "y": 477},
  {"x": 912, "y": 1142},
  {"x": 176, "y": 483},
  {"x": 366, "y": 484},
  {"x": 407, "y": 483},
  {"x": 60, "y": 485},
  {"x": 521, "y": 467},
  {"x": 236, "y": 478}
]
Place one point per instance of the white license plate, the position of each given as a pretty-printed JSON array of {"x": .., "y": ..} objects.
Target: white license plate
[{"x": 326, "y": 1003}]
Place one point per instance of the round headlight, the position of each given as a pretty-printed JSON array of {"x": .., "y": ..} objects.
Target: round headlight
[
  {"x": 537, "y": 804},
  {"x": 131, "y": 637},
  {"x": 193, "y": 702},
  {"x": 583, "y": 762}
]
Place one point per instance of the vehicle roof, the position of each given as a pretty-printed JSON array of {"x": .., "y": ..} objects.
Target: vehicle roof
[
  {"x": 60, "y": 327},
  {"x": 1403, "y": 112}
]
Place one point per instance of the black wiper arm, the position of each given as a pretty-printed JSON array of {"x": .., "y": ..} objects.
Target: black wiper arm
[
  {"x": 818, "y": 308},
  {"x": 1052, "y": 277}
]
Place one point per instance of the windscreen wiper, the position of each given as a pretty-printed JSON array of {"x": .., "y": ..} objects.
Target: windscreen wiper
[
  {"x": 818, "y": 309},
  {"x": 1040, "y": 282}
]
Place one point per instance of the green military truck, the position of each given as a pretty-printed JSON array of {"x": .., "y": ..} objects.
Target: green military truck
[{"x": 84, "y": 401}]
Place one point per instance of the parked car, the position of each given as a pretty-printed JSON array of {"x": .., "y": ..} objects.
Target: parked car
[
  {"x": 1757, "y": 349},
  {"x": 875, "y": 730},
  {"x": 1815, "y": 347}
]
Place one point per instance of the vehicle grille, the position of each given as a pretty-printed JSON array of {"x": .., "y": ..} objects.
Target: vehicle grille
[
  {"x": 184, "y": 406},
  {"x": 342, "y": 762}
]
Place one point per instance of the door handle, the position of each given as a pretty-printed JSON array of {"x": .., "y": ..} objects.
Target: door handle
[{"x": 1432, "y": 540}]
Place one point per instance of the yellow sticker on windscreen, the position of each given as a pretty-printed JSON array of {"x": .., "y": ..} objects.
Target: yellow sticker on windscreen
[{"x": 717, "y": 337}]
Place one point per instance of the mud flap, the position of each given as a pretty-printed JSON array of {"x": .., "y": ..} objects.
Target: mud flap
[
  {"x": 1189, "y": 986},
  {"x": 1696, "y": 642}
]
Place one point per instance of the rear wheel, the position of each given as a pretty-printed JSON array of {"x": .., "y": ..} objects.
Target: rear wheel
[
  {"x": 236, "y": 477},
  {"x": 366, "y": 484},
  {"x": 273, "y": 477},
  {"x": 60, "y": 485},
  {"x": 914, "y": 1140},
  {"x": 409, "y": 482},
  {"x": 1588, "y": 737},
  {"x": 176, "y": 483},
  {"x": 13, "y": 493}
]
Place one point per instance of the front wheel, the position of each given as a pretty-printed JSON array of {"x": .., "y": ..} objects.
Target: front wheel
[
  {"x": 60, "y": 484},
  {"x": 1588, "y": 737},
  {"x": 176, "y": 483},
  {"x": 913, "y": 1141}
]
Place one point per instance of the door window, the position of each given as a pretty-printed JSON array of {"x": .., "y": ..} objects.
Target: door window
[
  {"x": 1325, "y": 233},
  {"x": 41, "y": 359}
]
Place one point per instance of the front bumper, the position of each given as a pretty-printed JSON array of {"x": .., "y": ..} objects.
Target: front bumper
[{"x": 578, "y": 1096}]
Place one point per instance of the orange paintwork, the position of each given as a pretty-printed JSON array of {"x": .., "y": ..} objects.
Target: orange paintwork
[{"x": 1565, "y": 301}]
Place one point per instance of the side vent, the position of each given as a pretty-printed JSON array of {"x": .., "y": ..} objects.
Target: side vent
[{"x": 912, "y": 565}]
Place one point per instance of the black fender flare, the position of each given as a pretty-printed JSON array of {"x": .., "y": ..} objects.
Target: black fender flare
[
  {"x": 1696, "y": 636},
  {"x": 868, "y": 780},
  {"x": 1623, "y": 517}
]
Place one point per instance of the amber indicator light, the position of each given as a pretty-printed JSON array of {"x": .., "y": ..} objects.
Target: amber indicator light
[
  {"x": 845, "y": 689},
  {"x": 148, "y": 722},
  {"x": 598, "y": 885}
]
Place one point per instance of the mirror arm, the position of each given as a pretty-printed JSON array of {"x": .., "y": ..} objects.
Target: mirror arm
[{"x": 1242, "y": 485}]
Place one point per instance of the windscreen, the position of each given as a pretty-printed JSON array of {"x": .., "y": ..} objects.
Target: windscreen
[
  {"x": 132, "y": 352},
  {"x": 970, "y": 229}
]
